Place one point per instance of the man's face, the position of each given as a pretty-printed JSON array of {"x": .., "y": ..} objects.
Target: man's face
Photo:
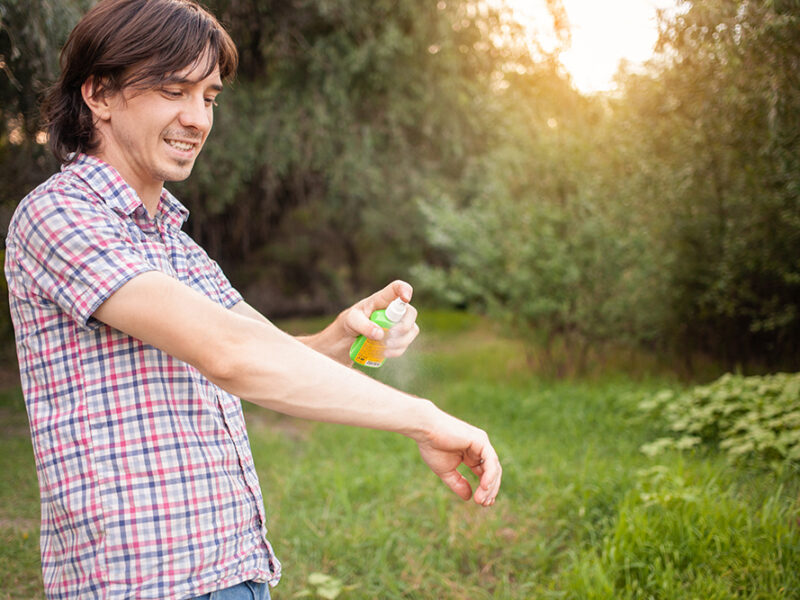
[{"x": 155, "y": 135}]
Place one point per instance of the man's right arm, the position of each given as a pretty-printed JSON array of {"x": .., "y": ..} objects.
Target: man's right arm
[{"x": 258, "y": 362}]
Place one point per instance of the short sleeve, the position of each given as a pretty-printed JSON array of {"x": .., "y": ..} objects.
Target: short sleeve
[{"x": 70, "y": 250}]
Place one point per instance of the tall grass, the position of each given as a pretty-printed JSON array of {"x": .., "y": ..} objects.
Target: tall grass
[{"x": 582, "y": 513}]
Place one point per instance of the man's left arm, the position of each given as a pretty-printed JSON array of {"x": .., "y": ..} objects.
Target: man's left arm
[{"x": 335, "y": 340}]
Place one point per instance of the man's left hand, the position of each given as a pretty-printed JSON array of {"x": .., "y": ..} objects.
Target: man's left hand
[
  {"x": 396, "y": 340},
  {"x": 336, "y": 339}
]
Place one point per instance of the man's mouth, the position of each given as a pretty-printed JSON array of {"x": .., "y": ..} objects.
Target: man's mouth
[{"x": 182, "y": 146}]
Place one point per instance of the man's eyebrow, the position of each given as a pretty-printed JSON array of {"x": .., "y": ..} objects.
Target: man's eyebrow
[{"x": 217, "y": 87}]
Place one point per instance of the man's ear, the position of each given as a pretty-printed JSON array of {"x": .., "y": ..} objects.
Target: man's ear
[{"x": 97, "y": 99}]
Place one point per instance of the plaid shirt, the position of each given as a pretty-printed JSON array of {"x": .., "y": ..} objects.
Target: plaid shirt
[{"x": 147, "y": 480}]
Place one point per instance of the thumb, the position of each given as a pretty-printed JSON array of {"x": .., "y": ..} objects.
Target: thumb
[
  {"x": 359, "y": 323},
  {"x": 382, "y": 298}
]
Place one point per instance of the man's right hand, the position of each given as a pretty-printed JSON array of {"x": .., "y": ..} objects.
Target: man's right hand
[{"x": 450, "y": 442}]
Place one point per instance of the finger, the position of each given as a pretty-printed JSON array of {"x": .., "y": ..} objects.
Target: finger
[
  {"x": 410, "y": 317},
  {"x": 407, "y": 325},
  {"x": 490, "y": 476},
  {"x": 483, "y": 461},
  {"x": 401, "y": 289},
  {"x": 458, "y": 483},
  {"x": 403, "y": 333},
  {"x": 396, "y": 345},
  {"x": 384, "y": 297},
  {"x": 475, "y": 466},
  {"x": 360, "y": 324}
]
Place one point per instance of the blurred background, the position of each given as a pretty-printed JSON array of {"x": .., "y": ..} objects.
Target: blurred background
[
  {"x": 598, "y": 204},
  {"x": 593, "y": 176}
]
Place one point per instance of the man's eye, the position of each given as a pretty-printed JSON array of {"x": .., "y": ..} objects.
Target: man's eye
[
  {"x": 171, "y": 93},
  {"x": 211, "y": 102}
]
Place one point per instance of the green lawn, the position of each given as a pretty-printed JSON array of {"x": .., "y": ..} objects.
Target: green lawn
[{"x": 582, "y": 513}]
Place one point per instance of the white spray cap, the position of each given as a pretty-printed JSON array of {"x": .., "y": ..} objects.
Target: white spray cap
[{"x": 396, "y": 310}]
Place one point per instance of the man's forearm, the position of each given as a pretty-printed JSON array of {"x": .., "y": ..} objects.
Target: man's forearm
[
  {"x": 332, "y": 341},
  {"x": 272, "y": 369}
]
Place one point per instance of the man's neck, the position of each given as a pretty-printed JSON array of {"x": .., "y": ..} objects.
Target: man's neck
[
  {"x": 149, "y": 192},
  {"x": 152, "y": 207}
]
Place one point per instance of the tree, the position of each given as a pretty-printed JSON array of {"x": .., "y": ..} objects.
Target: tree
[
  {"x": 342, "y": 114},
  {"x": 31, "y": 35},
  {"x": 538, "y": 246},
  {"x": 720, "y": 118}
]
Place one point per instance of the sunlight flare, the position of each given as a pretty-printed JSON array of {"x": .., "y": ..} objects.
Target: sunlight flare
[{"x": 603, "y": 34}]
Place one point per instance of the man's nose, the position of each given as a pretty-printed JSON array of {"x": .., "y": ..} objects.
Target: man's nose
[{"x": 196, "y": 114}]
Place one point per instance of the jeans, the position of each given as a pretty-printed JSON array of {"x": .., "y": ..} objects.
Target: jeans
[{"x": 248, "y": 590}]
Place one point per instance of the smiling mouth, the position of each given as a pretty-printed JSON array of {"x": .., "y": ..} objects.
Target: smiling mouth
[{"x": 182, "y": 146}]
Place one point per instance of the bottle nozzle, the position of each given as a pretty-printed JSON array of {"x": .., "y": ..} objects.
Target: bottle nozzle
[{"x": 396, "y": 310}]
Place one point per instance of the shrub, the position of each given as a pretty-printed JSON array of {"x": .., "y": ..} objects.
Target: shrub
[{"x": 744, "y": 416}]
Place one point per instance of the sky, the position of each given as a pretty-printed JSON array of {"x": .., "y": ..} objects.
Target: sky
[{"x": 603, "y": 32}]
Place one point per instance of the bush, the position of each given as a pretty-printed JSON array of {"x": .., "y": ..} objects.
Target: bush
[{"x": 745, "y": 416}]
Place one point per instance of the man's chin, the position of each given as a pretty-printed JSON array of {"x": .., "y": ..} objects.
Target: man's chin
[{"x": 180, "y": 173}]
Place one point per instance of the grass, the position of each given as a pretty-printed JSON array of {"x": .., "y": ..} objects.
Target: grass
[{"x": 582, "y": 513}]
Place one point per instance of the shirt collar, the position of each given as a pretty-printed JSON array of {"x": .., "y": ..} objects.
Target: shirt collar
[{"x": 108, "y": 184}]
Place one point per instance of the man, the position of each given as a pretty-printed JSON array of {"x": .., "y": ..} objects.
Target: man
[{"x": 134, "y": 349}]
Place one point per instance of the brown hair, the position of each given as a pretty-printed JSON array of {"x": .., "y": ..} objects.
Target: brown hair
[{"x": 122, "y": 43}]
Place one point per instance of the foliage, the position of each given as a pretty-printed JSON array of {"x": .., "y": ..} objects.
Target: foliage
[
  {"x": 535, "y": 239},
  {"x": 549, "y": 273},
  {"x": 713, "y": 147},
  {"x": 31, "y": 36},
  {"x": 666, "y": 216},
  {"x": 342, "y": 113},
  {"x": 324, "y": 586},
  {"x": 745, "y": 416}
]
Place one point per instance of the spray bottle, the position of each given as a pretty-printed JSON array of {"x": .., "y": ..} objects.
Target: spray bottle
[{"x": 369, "y": 352}]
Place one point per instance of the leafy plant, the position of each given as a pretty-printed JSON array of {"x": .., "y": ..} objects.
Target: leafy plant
[
  {"x": 323, "y": 586},
  {"x": 744, "y": 416}
]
